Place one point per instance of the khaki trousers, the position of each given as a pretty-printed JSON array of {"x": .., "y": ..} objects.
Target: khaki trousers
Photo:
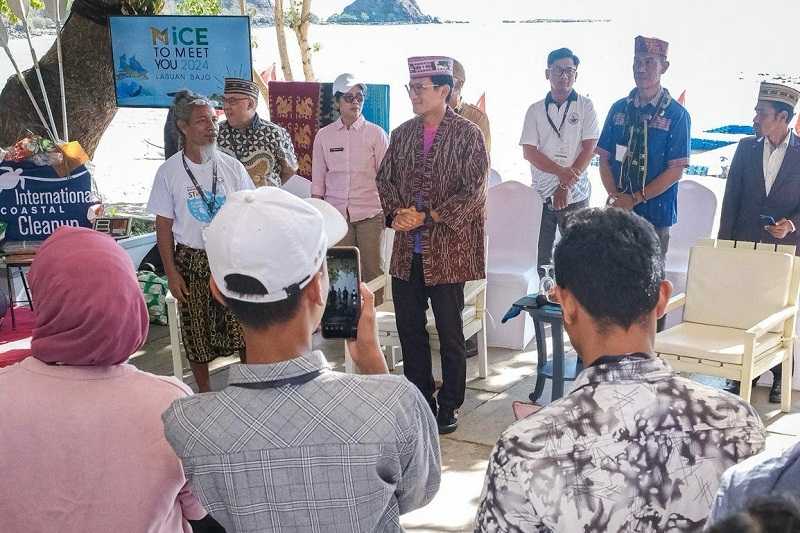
[{"x": 366, "y": 236}]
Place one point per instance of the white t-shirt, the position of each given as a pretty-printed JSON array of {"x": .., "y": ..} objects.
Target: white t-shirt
[
  {"x": 579, "y": 125},
  {"x": 174, "y": 195}
]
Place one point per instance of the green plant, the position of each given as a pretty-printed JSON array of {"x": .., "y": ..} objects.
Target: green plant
[
  {"x": 5, "y": 10},
  {"x": 199, "y": 7}
]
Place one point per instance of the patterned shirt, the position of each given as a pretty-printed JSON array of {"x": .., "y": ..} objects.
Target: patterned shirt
[
  {"x": 293, "y": 447},
  {"x": 668, "y": 146},
  {"x": 261, "y": 147},
  {"x": 479, "y": 118},
  {"x": 452, "y": 181},
  {"x": 633, "y": 448}
]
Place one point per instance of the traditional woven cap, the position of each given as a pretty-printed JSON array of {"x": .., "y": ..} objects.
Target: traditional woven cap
[
  {"x": 774, "y": 92},
  {"x": 458, "y": 71},
  {"x": 427, "y": 66},
  {"x": 650, "y": 45},
  {"x": 240, "y": 86}
]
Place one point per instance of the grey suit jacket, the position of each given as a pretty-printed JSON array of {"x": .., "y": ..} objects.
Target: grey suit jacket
[{"x": 746, "y": 194}]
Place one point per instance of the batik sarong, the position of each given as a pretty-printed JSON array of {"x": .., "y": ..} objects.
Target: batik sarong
[{"x": 209, "y": 329}]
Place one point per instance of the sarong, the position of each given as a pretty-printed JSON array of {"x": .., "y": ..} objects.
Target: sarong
[{"x": 209, "y": 329}]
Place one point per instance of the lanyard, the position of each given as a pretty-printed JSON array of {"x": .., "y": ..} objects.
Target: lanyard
[
  {"x": 563, "y": 119},
  {"x": 211, "y": 204}
]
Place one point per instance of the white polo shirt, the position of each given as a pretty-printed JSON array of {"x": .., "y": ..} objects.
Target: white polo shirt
[{"x": 572, "y": 123}]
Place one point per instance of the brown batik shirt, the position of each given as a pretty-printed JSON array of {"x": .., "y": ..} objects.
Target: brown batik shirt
[{"x": 451, "y": 180}]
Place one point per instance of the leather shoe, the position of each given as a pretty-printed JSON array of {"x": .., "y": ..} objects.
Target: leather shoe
[
  {"x": 446, "y": 420},
  {"x": 775, "y": 392}
]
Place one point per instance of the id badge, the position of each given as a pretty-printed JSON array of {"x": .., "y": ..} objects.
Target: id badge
[{"x": 622, "y": 150}]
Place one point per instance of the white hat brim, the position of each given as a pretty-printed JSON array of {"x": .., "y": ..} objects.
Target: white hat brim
[{"x": 334, "y": 223}]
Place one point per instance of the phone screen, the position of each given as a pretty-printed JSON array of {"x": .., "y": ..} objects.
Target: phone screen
[{"x": 343, "y": 308}]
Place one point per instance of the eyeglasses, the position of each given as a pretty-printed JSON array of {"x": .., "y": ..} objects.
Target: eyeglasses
[
  {"x": 558, "y": 71},
  {"x": 351, "y": 98},
  {"x": 229, "y": 100},
  {"x": 418, "y": 88}
]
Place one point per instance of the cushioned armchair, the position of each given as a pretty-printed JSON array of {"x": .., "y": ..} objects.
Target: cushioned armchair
[{"x": 740, "y": 309}]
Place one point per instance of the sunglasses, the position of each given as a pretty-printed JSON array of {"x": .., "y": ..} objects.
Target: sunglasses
[{"x": 351, "y": 98}]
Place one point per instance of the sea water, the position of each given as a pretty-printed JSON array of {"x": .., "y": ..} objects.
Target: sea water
[{"x": 719, "y": 51}]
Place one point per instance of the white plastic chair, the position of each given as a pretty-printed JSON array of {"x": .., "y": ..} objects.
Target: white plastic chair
[
  {"x": 697, "y": 206},
  {"x": 513, "y": 216},
  {"x": 494, "y": 178}
]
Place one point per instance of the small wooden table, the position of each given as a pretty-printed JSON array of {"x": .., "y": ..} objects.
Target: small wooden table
[{"x": 561, "y": 367}]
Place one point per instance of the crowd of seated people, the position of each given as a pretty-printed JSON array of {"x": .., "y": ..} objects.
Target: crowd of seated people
[{"x": 291, "y": 445}]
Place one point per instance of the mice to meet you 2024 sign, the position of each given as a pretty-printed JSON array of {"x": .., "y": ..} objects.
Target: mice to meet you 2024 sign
[
  {"x": 156, "y": 56},
  {"x": 35, "y": 200}
]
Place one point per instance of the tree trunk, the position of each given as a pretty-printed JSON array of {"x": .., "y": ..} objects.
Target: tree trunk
[
  {"x": 88, "y": 81},
  {"x": 280, "y": 31},
  {"x": 262, "y": 86},
  {"x": 301, "y": 31}
]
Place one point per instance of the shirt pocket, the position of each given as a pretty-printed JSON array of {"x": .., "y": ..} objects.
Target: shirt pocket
[{"x": 336, "y": 159}]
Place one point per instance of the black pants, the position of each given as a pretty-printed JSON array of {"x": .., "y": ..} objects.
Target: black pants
[
  {"x": 410, "y": 307},
  {"x": 552, "y": 219}
]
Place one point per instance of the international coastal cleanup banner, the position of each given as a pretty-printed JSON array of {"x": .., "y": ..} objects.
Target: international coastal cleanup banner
[
  {"x": 35, "y": 200},
  {"x": 156, "y": 56}
]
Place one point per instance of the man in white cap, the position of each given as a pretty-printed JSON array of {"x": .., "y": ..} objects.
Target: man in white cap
[
  {"x": 347, "y": 156},
  {"x": 290, "y": 445},
  {"x": 762, "y": 192},
  {"x": 263, "y": 147}
]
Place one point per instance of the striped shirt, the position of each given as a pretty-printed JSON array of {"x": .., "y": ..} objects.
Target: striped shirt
[{"x": 294, "y": 447}]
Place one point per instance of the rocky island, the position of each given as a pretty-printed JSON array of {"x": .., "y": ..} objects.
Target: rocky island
[{"x": 383, "y": 12}]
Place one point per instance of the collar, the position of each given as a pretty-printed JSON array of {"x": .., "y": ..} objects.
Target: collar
[
  {"x": 449, "y": 115},
  {"x": 625, "y": 368},
  {"x": 313, "y": 361},
  {"x": 356, "y": 125},
  {"x": 572, "y": 97},
  {"x": 253, "y": 123},
  {"x": 784, "y": 144},
  {"x": 653, "y": 102}
]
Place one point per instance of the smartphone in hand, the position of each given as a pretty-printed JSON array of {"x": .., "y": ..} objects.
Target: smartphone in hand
[
  {"x": 343, "y": 309},
  {"x": 767, "y": 220}
]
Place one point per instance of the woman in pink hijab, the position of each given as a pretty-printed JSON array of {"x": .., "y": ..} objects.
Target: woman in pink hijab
[{"x": 82, "y": 447}]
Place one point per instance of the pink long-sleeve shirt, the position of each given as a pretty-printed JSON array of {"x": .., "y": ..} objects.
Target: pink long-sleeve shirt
[
  {"x": 82, "y": 449},
  {"x": 346, "y": 161}
]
